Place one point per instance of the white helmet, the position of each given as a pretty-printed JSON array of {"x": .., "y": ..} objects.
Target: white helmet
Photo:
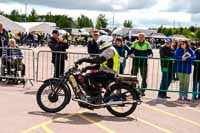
[{"x": 104, "y": 42}]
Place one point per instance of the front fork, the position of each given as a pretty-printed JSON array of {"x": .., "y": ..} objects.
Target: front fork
[{"x": 74, "y": 85}]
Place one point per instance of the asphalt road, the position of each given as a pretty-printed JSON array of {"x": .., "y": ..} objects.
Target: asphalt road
[{"x": 20, "y": 114}]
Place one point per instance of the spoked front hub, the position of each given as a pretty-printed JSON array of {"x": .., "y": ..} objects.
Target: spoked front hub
[{"x": 53, "y": 97}]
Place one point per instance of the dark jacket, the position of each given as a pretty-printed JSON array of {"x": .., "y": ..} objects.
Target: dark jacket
[
  {"x": 197, "y": 65},
  {"x": 166, "y": 55},
  {"x": 9, "y": 52},
  {"x": 5, "y": 38},
  {"x": 184, "y": 66},
  {"x": 57, "y": 47},
  {"x": 93, "y": 47},
  {"x": 141, "y": 49}
]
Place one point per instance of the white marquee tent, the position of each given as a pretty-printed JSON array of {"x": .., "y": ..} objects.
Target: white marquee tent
[
  {"x": 45, "y": 27},
  {"x": 121, "y": 31},
  {"x": 158, "y": 35},
  {"x": 179, "y": 37},
  {"x": 11, "y": 25}
]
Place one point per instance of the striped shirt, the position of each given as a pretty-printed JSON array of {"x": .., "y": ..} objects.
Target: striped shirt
[{"x": 10, "y": 52}]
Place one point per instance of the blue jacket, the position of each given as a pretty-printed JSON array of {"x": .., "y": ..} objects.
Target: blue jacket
[
  {"x": 122, "y": 50},
  {"x": 184, "y": 66}
]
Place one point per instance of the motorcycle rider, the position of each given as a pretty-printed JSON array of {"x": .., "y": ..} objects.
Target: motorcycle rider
[{"x": 107, "y": 65}]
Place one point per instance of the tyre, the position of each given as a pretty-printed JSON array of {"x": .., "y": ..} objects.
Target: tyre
[
  {"x": 7, "y": 81},
  {"x": 57, "y": 101},
  {"x": 120, "y": 92}
]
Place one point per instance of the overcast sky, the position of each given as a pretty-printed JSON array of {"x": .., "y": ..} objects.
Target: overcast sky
[{"x": 143, "y": 13}]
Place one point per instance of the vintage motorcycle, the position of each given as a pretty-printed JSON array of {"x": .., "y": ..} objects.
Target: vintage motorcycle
[{"x": 118, "y": 95}]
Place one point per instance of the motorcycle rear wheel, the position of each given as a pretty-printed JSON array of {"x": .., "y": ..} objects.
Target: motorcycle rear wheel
[{"x": 114, "y": 97}]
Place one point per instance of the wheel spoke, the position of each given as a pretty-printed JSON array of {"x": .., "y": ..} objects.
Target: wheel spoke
[
  {"x": 50, "y": 90},
  {"x": 121, "y": 94}
]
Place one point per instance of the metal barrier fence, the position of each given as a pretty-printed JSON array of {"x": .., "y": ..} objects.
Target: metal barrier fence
[
  {"x": 148, "y": 69},
  {"x": 151, "y": 71},
  {"x": 13, "y": 65},
  {"x": 45, "y": 67}
]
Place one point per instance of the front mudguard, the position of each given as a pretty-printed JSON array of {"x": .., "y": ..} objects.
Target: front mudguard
[{"x": 60, "y": 82}]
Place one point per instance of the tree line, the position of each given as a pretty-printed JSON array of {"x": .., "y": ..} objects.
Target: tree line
[
  {"x": 62, "y": 21},
  {"x": 191, "y": 32}
]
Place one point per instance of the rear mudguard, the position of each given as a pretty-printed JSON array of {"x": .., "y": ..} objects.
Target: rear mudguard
[{"x": 60, "y": 82}]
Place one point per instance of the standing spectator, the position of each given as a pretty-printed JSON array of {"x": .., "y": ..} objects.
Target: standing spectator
[
  {"x": 3, "y": 38},
  {"x": 35, "y": 40},
  {"x": 92, "y": 45},
  {"x": 57, "y": 45},
  {"x": 39, "y": 39},
  {"x": 22, "y": 38},
  {"x": 174, "y": 46},
  {"x": 30, "y": 39},
  {"x": 10, "y": 34},
  {"x": 25, "y": 39},
  {"x": 196, "y": 76},
  {"x": 183, "y": 66},
  {"x": 85, "y": 40},
  {"x": 166, "y": 54},
  {"x": 67, "y": 36},
  {"x": 141, "y": 48},
  {"x": 123, "y": 51},
  {"x": 42, "y": 39}
]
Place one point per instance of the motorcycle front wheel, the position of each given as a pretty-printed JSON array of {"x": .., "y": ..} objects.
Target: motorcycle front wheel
[{"x": 52, "y": 96}]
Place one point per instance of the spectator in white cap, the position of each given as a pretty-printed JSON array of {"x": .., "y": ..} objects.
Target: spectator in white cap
[{"x": 142, "y": 49}]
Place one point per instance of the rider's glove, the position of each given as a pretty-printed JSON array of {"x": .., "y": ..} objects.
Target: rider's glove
[
  {"x": 79, "y": 62},
  {"x": 84, "y": 69}
]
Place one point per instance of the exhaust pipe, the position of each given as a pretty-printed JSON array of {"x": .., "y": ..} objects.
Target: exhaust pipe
[{"x": 105, "y": 104}]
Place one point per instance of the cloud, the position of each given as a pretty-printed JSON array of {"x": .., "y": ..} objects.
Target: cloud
[
  {"x": 195, "y": 19},
  {"x": 195, "y": 6},
  {"x": 103, "y": 5},
  {"x": 143, "y": 13},
  {"x": 190, "y": 6}
]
